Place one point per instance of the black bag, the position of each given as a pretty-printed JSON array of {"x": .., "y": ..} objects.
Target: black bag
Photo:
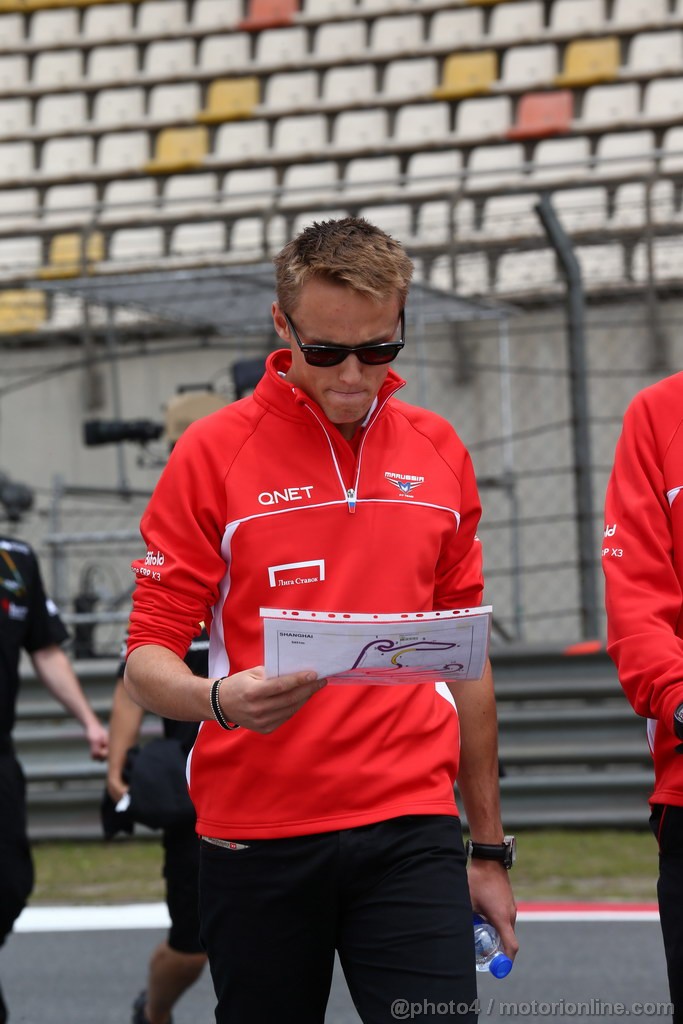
[{"x": 158, "y": 787}]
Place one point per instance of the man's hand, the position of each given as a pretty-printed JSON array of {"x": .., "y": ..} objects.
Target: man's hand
[
  {"x": 262, "y": 705},
  {"x": 98, "y": 741},
  {"x": 492, "y": 897}
]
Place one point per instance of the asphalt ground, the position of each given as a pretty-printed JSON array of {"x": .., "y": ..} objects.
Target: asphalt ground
[{"x": 600, "y": 969}]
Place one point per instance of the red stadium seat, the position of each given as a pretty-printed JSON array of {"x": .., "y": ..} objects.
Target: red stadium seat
[{"x": 541, "y": 114}]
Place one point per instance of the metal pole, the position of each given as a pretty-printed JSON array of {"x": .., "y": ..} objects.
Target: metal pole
[
  {"x": 580, "y": 417},
  {"x": 508, "y": 462}
]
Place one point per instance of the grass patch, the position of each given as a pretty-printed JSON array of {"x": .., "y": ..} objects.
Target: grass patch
[{"x": 551, "y": 865}]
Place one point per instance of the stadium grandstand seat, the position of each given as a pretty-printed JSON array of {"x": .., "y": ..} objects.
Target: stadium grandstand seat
[
  {"x": 466, "y": 74},
  {"x": 573, "y": 16},
  {"x": 440, "y": 221},
  {"x": 340, "y": 39},
  {"x": 510, "y": 216},
  {"x": 396, "y": 219},
  {"x": 136, "y": 245},
  {"x": 635, "y": 13},
  {"x": 355, "y": 129},
  {"x": 254, "y": 238},
  {"x": 541, "y": 114},
  {"x": 419, "y": 123},
  {"x": 663, "y": 98},
  {"x": 654, "y": 52},
  {"x": 589, "y": 61},
  {"x": 107, "y": 21},
  {"x": 16, "y": 160},
  {"x": 672, "y": 149},
  {"x": 281, "y": 46},
  {"x": 63, "y": 157},
  {"x": 300, "y": 134},
  {"x": 13, "y": 71},
  {"x": 61, "y": 111},
  {"x": 185, "y": 194},
  {"x": 396, "y": 33},
  {"x": 18, "y": 207},
  {"x": 459, "y": 28},
  {"x": 581, "y": 209},
  {"x": 601, "y": 264},
  {"x": 491, "y": 167},
  {"x": 297, "y": 90},
  {"x": 128, "y": 200},
  {"x": 320, "y": 10},
  {"x": 430, "y": 172},
  {"x": 268, "y": 14},
  {"x": 216, "y": 13},
  {"x": 529, "y": 66},
  {"x": 404, "y": 78},
  {"x": 625, "y": 154},
  {"x": 20, "y": 255},
  {"x": 180, "y": 101},
  {"x": 309, "y": 183},
  {"x": 240, "y": 140},
  {"x": 195, "y": 239},
  {"x": 11, "y": 31},
  {"x": 49, "y": 27},
  {"x": 70, "y": 203},
  {"x": 561, "y": 159},
  {"x": 21, "y": 311},
  {"x": 630, "y": 204},
  {"x": 160, "y": 17},
  {"x": 72, "y": 254},
  {"x": 348, "y": 85},
  {"x": 179, "y": 149},
  {"x": 607, "y": 105},
  {"x": 116, "y": 108},
  {"x": 170, "y": 57},
  {"x": 516, "y": 21},
  {"x": 123, "y": 151},
  {"x": 251, "y": 188},
  {"x": 228, "y": 99},
  {"x": 482, "y": 117},
  {"x": 471, "y": 274},
  {"x": 57, "y": 67},
  {"x": 372, "y": 178},
  {"x": 218, "y": 52},
  {"x": 667, "y": 256},
  {"x": 112, "y": 63},
  {"x": 15, "y": 116},
  {"x": 525, "y": 271}
]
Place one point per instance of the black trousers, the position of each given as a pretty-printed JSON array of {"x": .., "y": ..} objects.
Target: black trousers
[
  {"x": 16, "y": 864},
  {"x": 667, "y": 824},
  {"x": 392, "y": 898}
]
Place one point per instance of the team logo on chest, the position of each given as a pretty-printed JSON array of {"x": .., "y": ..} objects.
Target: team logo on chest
[{"x": 405, "y": 483}]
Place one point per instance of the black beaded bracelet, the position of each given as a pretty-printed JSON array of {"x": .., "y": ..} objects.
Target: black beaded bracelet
[{"x": 216, "y": 707}]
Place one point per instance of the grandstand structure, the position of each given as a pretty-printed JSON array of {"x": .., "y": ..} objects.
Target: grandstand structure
[{"x": 166, "y": 140}]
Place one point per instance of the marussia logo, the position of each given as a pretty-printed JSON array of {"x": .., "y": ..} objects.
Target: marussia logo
[{"x": 404, "y": 482}]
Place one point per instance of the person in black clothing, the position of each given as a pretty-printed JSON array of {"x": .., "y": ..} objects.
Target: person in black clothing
[
  {"x": 178, "y": 961},
  {"x": 29, "y": 621}
]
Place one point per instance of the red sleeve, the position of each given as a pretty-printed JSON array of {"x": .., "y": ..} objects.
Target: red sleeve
[
  {"x": 459, "y": 578},
  {"x": 642, "y": 592}
]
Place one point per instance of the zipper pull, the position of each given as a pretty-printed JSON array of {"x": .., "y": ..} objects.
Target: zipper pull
[{"x": 351, "y": 499}]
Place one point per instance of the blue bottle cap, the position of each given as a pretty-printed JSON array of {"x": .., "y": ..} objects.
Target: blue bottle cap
[{"x": 500, "y": 966}]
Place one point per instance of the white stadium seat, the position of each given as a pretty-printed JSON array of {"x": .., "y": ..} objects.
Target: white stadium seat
[
  {"x": 632, "y": 13},
  {"x": 625, "y": 153},
  {"x": 70, "y": 203},
  {"x": 57, "y": 67},
  {"x": 281, "y": 46},
  {"x": 663, "y": 98},
  {"x": 672, "y": 147},
  {"x": 525, "y": 271},
  {"x": 340, "y": 39},
  {"x": 611, "y": 104},
  {"x": 13, "y": 71},
  {"x": 630, "y": 204},
  {"x": 655, "y": 52},
  {"x": 174, "y": 102},
  {"x": 114, "y": 108},
  {"x": 15, "y": 116},
  {"x": 161, "y": 17},
  {"x": 186, "y": 194},
  {"x": 67, "y": 156},
  {"x": 112, "y": 63},
  {"x": 357, "y": 129},
  {"x": 577, "y": 16},
  {"x": 509, "y": 216},
  {"x": 561, "y": 159},
  {"x": 123, "y": 151},
  {"x": 601, "y": 264},
  {"x": 309, "y": 183},
  {"x": 16, "y": 160},
  {"x": 494, "y": 166},
  {"x": 414, "y": 77},
  {"x": 516, "y": 21},
  {"x": 372, "y": 178},
  {"x": 130, "y": 245},
  {"x": 428, "y": 172},
  {"x": 18, "y": 207},
  {"x": 198, "y": 239},
  {"x": 250, "y": 188},
  {"x": 457, "y": 28},
  {"x": 61, "y": 111},
  {"x": 126, "y": 200},
  {"x": 295, "y": 89},
  {"x": 50, "y": 27},
  {"x": 581, "y": 209},
  {"x": 483, "y": 116},
  {"x": 320, "y": 10},
  {"x": 422, "y": 122},
  {"x": 107, "y": 21},
  {"x": 172, "y": 57},
  {"x": 240, "y": 140},
  {"x": 304, "y": 133},
  {"x": 529, "y": 66},
  {"x": 216, "y": 13},
  {"x": 22, "y": 254},
  {"x": 396, "y": 33},
  {"x": 11, "y": 30},
  {"x": 346, "y": 85},
  {"x": 218, "y": 52}
]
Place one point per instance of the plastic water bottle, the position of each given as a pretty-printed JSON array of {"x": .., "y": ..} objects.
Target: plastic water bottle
[{"x": 488, "y": 950}]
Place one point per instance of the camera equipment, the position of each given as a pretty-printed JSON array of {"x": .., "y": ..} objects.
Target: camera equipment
[
  {"x": 14, "y": 498},
  {"x": 97, "y": 432}
]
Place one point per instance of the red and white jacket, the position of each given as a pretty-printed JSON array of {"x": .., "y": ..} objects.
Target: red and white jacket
[
  {"x": 265, "y": 504},
  {"x": 642, "y": 557}
]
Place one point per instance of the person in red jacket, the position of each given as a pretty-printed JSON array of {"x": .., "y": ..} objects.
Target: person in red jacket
[
  {"x": 642, "y": 557},
  {"x": 326, "y": 813}
]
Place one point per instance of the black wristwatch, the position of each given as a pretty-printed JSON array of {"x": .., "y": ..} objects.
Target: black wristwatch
[
  {"x": 505, "y": 853},
  {"x": 678, "y": 721}
]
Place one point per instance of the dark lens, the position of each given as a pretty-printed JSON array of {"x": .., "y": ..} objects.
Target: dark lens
[
  {"x": 323, "y": 356},
  {"x": 376, "y": 355}
]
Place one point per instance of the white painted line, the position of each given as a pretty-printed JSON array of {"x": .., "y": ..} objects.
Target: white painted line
[
  {"x": 97, "y": 918},
  {"x": 588, "y": 915}
]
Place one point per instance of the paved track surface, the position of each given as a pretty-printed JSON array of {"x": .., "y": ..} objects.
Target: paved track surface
[{"x": 91, "y": 977}]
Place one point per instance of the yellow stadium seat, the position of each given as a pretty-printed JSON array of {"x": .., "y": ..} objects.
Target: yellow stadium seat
[
  {"x": 587, "y": 61},
  {"x": 179, "y": 149},
  {"x": 70, "y": 258},
  {"x": 466, "y": 74},
  {"x": 229, "y": 99},
  {"x": 21, "y": 311}
]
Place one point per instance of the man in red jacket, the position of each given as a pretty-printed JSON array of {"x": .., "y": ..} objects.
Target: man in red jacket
[
  {"x": 643, "y": 562},
  {"x": 326, "y": 813}
]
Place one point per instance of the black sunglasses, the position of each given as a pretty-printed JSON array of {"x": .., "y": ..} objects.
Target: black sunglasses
[{"x": 332, "y": 355}]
